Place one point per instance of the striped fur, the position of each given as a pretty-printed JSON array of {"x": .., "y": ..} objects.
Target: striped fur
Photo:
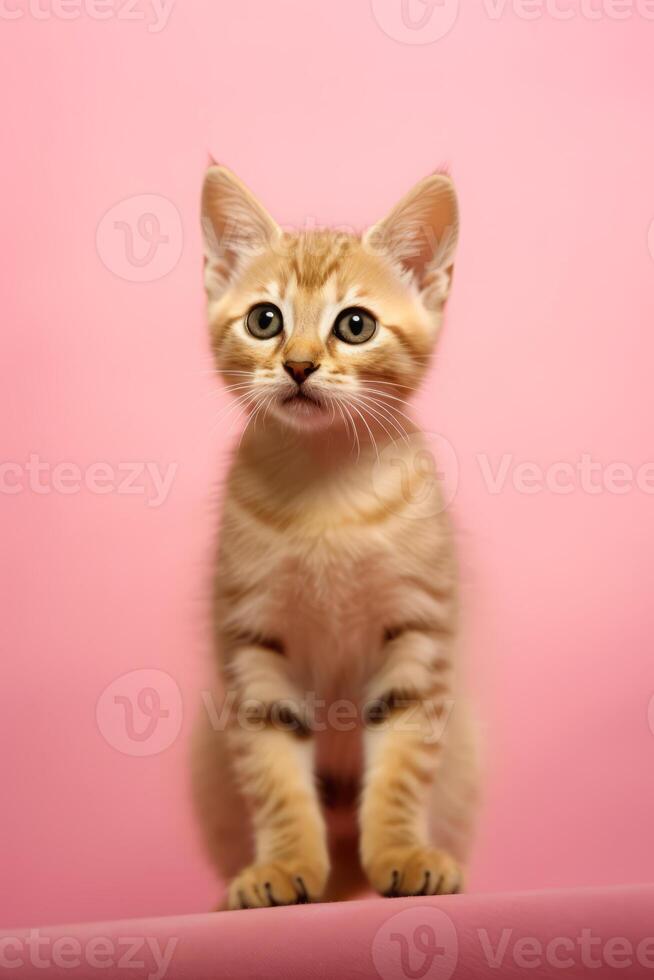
[{"x": 335, "y": 597}]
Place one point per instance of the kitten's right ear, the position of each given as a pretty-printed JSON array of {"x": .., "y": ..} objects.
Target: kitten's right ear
[
  {"x": 234, "y": 226},
  {"x": 420, "y": 236}
]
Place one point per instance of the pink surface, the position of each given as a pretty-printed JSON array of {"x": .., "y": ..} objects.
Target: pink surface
[
  {"x": 547, "y": 357},
  {"x": 545, "y": 934}
]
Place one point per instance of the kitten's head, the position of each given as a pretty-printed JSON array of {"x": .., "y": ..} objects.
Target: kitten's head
[{"x": 318, "y": 327}]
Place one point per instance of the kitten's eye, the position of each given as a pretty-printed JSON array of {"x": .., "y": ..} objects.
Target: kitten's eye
[
  {"x": 264, "y": 321},
  {"x": 355, "y": 325}
]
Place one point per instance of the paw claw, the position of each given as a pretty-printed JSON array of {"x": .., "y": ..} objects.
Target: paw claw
[
  {"x": 270, "y": 885},
  {"x": 392, "y": 892},
  {"x": 271, "y": 897},
  {"x": 415, "y": 871},
  {"x": 425, "y": 888},
  {"x": 303, "y": 896}
]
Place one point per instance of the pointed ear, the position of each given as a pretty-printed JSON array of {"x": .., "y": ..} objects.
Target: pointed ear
[
  {"x": 234, "y": 225},
  {"x": 420, "y": 236}
]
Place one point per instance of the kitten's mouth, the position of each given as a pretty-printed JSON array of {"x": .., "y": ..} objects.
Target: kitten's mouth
[
  {"x": 302, "y": 409},
  {"x": 302, "y": 401}
]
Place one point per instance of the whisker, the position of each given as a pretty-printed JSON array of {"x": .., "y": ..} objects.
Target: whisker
[
  {"x": 336, "y": 401},
  {"x": 354, "y": 430},
  {"x": 385, "y": 394},
  {"x": 266, "y": 407},
  {"x": 242, "y": 400},
  {"x": 372, "y": 438},
  {"x": 392, "y": 384},
  {"x": 390, "y": 414},
  {"x": 261, "y": 375},
  {"x": 237, "y": 419},
  {"x": 396, "y": 411},
  {"x": 385, "y": 413},
  {"x": 243, "y": 408},
  {"x": 233, "y": 391},
  {"x": 268, "y": 404},
  {"x": 379, "y": 418},
  {"x": 241, "y": 384},
  {"x": 349, "y": 421},
  {"x": 249, "y": 422}
]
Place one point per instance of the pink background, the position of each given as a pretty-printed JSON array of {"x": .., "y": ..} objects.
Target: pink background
[{"x": 547, "y": 355}]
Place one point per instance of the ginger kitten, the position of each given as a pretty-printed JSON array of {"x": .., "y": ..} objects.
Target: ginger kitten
[{"x": 339, "y": 753}]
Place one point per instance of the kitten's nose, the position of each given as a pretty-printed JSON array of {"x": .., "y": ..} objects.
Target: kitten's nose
[{"x": 300, "y": 370}]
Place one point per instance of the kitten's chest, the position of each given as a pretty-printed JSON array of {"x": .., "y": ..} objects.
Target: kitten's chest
[
  {"x": 324, "y": 563},
  {"x": 328, "y": 602},
  {"x": 325, "y": 597}
]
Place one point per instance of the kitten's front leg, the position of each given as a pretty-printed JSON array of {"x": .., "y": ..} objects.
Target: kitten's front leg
[
  {"x": 272, "y": 752},
  {"x": 407, "y": 708}
]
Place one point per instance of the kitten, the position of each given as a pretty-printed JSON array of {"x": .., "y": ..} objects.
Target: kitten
[{"x": 340, "y": 754}]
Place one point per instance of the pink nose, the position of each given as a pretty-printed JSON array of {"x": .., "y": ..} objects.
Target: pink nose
[{"x": 300, "y": 370}]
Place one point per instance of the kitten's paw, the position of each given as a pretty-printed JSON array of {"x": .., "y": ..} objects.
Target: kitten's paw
[
  {"x": 277, "y": 883},
  {"x": 415, "y": 871}
]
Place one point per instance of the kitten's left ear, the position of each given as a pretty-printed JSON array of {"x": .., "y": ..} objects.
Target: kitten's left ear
[
  {"x": 234, "y": 225},
  {"x": 420, "y": 235}
]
